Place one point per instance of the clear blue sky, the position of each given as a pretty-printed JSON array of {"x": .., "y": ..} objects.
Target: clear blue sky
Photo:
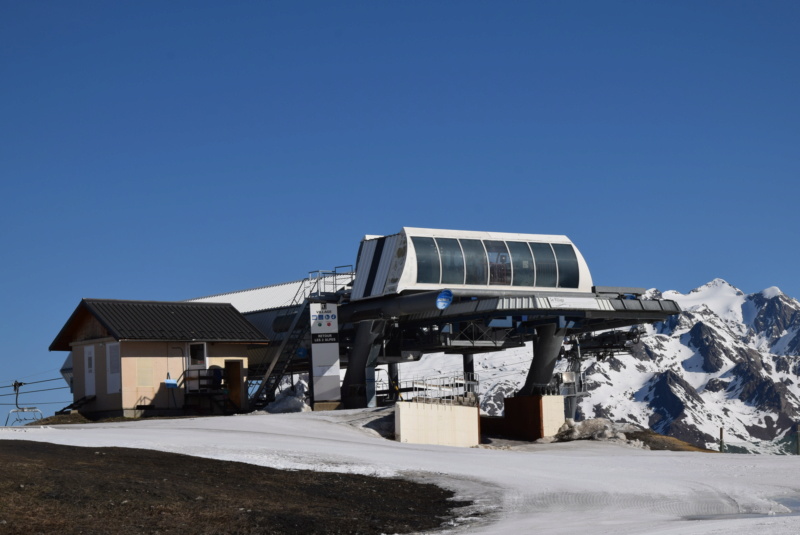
[{"x": 169, "y": 150}]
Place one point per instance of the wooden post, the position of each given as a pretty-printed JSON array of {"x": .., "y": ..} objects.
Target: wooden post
[{"x": 721, "y": 441}]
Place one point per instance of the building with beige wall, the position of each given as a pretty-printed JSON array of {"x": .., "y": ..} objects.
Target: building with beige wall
[{"x": 136, "y": 358}]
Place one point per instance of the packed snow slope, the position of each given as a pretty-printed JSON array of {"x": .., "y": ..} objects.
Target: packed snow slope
[
  {"x": 559, "y": 488},
  {"x": 729, "y": 361}
]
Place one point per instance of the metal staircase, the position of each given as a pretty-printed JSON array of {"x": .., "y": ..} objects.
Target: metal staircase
[
  {"x": 77, "y": 404},
  {"x": 263, "y": 382},
  {"x": 264, "y": 379}
]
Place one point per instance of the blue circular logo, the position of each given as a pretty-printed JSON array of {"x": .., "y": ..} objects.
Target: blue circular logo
[{"x": 444, "y": 299}]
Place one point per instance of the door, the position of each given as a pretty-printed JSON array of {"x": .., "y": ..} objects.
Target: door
[
  {"x": 234, "y": 377},
  {"x": 196, "y": 367},
  {"x": 88, "y": 363}
]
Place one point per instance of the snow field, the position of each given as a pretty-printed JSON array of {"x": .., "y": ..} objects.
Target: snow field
[{"x": 560, "y": 488}]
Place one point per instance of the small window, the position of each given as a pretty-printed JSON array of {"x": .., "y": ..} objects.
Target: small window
[
  {"x": 427, "y": 260},
  {"x": 197, "y": 354},
  {"x": 522, "y": 261},
  {"x": 112, "y": 356},
  {"x": 113, "y": 367},
  {"x": 545, "y": 260},
  {"x": 568, "y": 272},
  {"x": 452, "y": 261},
  {"x": 475, "y": 260},
  {"x": 499, "y": 262}
]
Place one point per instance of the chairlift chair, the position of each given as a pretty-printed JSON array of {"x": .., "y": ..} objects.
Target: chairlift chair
[{"x": 21, "y": 412}]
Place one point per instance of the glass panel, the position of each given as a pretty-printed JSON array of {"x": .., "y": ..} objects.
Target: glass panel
[
  {"x": 197, "y": 354},
  {"x": 475, "y": 260},
  {"x": 522, "y": 261},
  {"x": 452, "y": 261},
  {"x": 568, "y": 275},
  {"x": 546, "y": 275},
  {"x": 499, "y": 262},
  {"x": 427, "y": 260}
]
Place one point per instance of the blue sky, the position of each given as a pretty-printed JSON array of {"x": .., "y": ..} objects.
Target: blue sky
[{"x": 169, "y": 150}]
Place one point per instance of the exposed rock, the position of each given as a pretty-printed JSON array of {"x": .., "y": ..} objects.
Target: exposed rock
[
  {"x": 716, "y": 385},
  {"x": 735, "y": 348},
  {"x": 714, "y": 354}
]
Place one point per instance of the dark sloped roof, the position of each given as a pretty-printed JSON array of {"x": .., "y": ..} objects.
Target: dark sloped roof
[{"x": 162, "y": 320}]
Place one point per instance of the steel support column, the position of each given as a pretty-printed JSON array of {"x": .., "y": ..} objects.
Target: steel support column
[
  {"x": 394, "y": 381},
  {"x": 546, "y": 347},
  {"x": 366, "y": 347},
  {"x": 469, "y": 364}
]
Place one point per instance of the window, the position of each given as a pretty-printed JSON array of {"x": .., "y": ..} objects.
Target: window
[
  {"x": 114, "y": 368},
  {"x": 144, "y": 373},
  {"x": 499, "y": 262},
  {"x": 427, "y": 260},
  {"x": 197, "y": 355},
  {"x": 522, "y": 261},
  {"x": 568, "y": 272},
  {"x": 545, "y": 261},
  {"x": 88, "y": 356},
  {"x": 452, "y": 261},
  {"x": 475, "y": 260}
]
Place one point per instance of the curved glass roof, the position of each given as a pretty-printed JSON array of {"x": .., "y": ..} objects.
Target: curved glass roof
[
  {"x": 466, "y": 261},
  {"x": 418, "y": 259}
]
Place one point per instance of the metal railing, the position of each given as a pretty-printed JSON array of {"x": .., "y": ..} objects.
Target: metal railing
[
  {"x": 323, "y": 282},
  {"x": 453, "y": 389}
]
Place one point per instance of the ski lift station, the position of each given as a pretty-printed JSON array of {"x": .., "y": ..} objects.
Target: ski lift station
[{"x": 412, "y": 293}]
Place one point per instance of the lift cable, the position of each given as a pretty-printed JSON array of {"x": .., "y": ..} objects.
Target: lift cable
[
  {"x": 32, "y": 391},
  {"x": 35, "y": 374},
  {"x": 43, "y": 403},
  {"x": 33, "y": 382}
]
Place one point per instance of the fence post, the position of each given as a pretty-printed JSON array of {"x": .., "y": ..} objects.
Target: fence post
[
  {"x": 721, "y": 441},
  {"x": 797, "y": 439}
]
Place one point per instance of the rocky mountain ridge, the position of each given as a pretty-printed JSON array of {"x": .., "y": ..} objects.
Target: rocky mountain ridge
[{"x": 728, "y": 361}]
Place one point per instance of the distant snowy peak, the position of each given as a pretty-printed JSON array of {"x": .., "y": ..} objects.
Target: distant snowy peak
[
  {"x": 728, "y": 360},
  {"x": 771, "y": 292},
  {"x": 719, "y": 296},
  {"x": 769, "y": 309}
]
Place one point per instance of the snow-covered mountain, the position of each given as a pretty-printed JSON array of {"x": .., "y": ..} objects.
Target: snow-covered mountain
[{"x": 729, "y": 361}]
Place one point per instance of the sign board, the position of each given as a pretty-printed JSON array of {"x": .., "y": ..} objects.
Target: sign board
[{"x": 325, "y": 351}]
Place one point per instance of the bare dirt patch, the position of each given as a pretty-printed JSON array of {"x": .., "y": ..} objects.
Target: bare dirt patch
[
  {"x": 49, "y": 488},
  {"x": 662, "y": 442}
]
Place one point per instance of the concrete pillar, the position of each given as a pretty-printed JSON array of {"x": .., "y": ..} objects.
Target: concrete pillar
[{"x": 546, "y": 347}]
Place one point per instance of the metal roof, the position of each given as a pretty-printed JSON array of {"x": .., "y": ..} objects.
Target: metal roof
[
  {"x": 266, "y": 297},
  {"x": 278, "y": 295},
  {"x": 160, "y": 320}
]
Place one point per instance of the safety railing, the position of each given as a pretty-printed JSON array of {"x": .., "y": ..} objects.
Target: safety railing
[
  {"x": 454, "y": 389},
  {"x": 322, "y": 282}
]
